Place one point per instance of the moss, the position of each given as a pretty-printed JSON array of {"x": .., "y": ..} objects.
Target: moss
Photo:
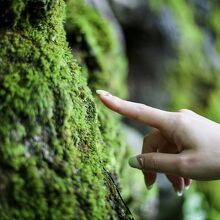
[
  {"x": 94, "y": 43},
  {"x": 17, "y": 13},
  {"x": 98, "y": 49},
  {"x": 51, "y": 146}
]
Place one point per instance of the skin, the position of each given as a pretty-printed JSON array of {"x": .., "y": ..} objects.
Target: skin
[{"x": 183, "y": 145}]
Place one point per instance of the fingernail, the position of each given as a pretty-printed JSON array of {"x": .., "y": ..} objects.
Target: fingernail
[
  {"x": 146, "y": 178},
  {"x": 149, "y": 187},
  {"x": 136, "y": 162},
  {"x": 102, "y": 92},
  {"x": 179, "y": 193},
  {"x": 187, "y": 187}
]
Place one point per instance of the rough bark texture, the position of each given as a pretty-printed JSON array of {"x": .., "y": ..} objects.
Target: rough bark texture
[
  {"x": 53, "y": 162},
  {"x": 97, "y": 47}
]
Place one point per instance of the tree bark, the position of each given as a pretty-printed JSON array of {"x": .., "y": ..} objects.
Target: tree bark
[{"x": 51, "y": 147}]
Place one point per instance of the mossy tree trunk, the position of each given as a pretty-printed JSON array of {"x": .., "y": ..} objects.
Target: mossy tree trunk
[{"x": 51, "y": 148}]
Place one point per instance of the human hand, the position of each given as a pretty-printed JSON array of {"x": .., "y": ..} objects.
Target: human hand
[{"x": 183, "y": 145}]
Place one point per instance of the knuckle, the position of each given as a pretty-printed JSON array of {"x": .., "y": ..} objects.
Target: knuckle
[
  {"x": 152, "y": 162},
  {"x": 186, "y": 111},
  {"x": 140, "y": 109},
  {"x": 184, "y": 165},
  {"x": 182, "y": 121},
  {"x": 148, "y": 162},
  {"x": 182, "y": 118}
]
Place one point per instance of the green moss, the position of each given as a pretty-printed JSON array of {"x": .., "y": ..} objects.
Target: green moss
[
  {"x": 17, "y": 13},
  {"x": 51, "y": 146},
  {"x": 95, "y": 45},
  {"x": 94, "y": 41}
]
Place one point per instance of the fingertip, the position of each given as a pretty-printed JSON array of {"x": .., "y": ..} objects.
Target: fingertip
[
  {"x": 187, "y": 187},
  {"x": 135, "y": 163},
  {"x": 179, "y": 193},
  {"x": 177, "y": 183},
  {"x": 108, "y": 99},
  {"x": 188, "y": 183},
  {"x": 101, "y": 92},
  {"x": 150, "y": 178}
]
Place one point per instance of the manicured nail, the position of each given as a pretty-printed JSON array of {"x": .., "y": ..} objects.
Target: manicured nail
[
  {"x": 102, "y": 92},
  {"x": 147, "y": 178},
  {"x": 179, "y": 193},
  {"x": 187, "y": 187},
  {"x": 149, "y": 187},
  {"x": 136, "y": 162}
]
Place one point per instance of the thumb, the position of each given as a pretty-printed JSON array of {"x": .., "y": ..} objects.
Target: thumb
[{"x": 157, "y": 162}]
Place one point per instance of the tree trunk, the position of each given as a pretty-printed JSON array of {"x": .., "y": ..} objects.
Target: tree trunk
[{"x": 52, "y": 162}]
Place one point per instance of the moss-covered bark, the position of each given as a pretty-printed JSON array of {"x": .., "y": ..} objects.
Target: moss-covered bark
[
  {"x": 52, "y": 163},
  {"x": 94, "y": 44}
]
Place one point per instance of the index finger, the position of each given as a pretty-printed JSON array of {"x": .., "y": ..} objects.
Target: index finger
[{"x": 151, "y": 116}]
